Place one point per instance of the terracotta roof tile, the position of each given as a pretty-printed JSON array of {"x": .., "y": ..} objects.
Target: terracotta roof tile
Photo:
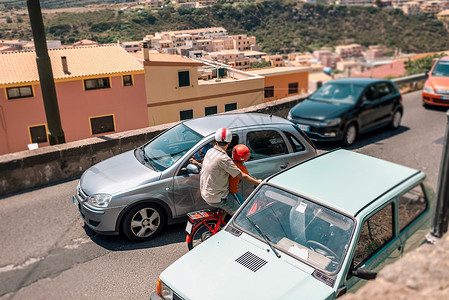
[{"x": 20, "y": 67}]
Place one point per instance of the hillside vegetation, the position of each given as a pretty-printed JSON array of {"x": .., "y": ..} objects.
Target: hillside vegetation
[
  {"x": 52, "y": 4},
  {"x": 276, "y": 24}
]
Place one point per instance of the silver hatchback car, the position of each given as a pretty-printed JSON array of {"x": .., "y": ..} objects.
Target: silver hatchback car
[{"x": 138, "y": 192}]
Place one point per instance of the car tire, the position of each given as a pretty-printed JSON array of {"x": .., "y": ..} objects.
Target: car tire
[
  {"x": 349, "y": 135},
  {"x": 143, "y": 222},
  {"x": 396, "y": 120}
]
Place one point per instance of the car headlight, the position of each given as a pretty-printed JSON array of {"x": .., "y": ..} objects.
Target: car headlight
[
  {"x": 99, "y": 200},
  {"x": 428, "y": 89},
  {"x": 331, "y": 122},
  {"x": 163, "y": 291}
]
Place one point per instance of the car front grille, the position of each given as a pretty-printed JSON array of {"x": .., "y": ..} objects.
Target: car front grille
[
  {"x": 443, "y": 92},
  {"x": 307, "y": 122},
  {"x": 437, "y": 100},
  {"x": 81, "y": 194}
]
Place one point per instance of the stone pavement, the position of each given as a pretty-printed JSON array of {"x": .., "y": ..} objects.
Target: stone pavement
[{"x": 420, "y": 274}]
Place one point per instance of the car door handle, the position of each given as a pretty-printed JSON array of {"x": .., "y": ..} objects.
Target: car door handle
[{"x": 283, "y": 166}]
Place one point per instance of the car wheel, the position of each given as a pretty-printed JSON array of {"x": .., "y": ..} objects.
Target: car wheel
[
  {"x": 396, "y": 121},
  {"x": 143, "y": 222},
  {"x": 349, "y": 135}
]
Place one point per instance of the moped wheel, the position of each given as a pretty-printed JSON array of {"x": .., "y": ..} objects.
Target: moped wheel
[{"x": 200, "y": 233}]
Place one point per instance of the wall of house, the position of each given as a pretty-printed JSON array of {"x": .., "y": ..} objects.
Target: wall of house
[
  {"x": 280, "y": 83},
  {"x": 126, "y": 103},
  {"x": 34, "y": 168},
  {"x": 16, "y": 115},
  {"x": 165, "y": 99}
]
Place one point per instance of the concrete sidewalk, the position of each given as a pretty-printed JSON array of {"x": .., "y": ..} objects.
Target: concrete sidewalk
[{"x": 420, "y": 274}]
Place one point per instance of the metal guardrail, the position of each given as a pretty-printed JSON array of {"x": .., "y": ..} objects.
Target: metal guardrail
[{"x": 410, "y": 79}]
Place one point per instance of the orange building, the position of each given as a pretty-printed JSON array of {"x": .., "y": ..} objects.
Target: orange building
[
  {"x": 275, "y": 60},
  {"x": 94, "y": 95},
  {"x": 281, "y": 82},
  {"x": 179, "y": 88}
]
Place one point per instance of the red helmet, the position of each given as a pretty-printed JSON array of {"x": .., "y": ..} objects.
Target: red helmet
[{"x": 240, "y": 153}]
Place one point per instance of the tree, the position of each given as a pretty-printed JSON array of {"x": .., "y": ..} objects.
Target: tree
[
  {"x": 262, "y": 64},
  {"x": 420, "y": 65}
]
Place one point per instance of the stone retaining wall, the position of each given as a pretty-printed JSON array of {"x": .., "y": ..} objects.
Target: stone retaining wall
[{"x": 33, "y": 168}]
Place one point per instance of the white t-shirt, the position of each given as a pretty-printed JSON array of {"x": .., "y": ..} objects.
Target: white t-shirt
[{"x": 214, "y": 180}]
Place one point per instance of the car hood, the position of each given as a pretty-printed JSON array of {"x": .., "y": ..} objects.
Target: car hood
[
  {"x": 319, "y": 110},
  {"x": 438, "y": 82},
  {"x": 212, "y": 271},
  {"x": 115, "y": 174}
]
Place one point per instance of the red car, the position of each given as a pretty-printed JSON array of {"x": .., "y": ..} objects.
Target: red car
[{"x": 436, "y": 88}]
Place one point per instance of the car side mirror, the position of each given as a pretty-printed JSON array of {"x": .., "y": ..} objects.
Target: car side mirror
[
  {"x": 192, "y": 169},
  {"x": 367, "y": 103},
  {"x": 363, "y": 273},
  {"x": 341, "y": 291},
  {"x": 427, "y": 73}
]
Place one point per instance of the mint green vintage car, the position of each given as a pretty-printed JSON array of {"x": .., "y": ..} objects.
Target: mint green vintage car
[{"x": 314, "y": 231}]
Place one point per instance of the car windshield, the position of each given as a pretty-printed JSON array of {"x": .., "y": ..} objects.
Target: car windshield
[
  {"x": 344, "y": 93},
  {"x": 167, "y": 148},
  {"x": 441, "y": 69},
  {"x": 301, "y": 228}
]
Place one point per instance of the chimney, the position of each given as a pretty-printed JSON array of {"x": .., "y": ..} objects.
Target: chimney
[
  {"x": 65, "y": 68},
  {"x": 146, "y": 54}
]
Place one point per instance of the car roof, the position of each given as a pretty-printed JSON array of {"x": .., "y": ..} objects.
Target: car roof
[
  {"x": 359, "y": 81},
  {"x": 208, "y": 125},
  {"x": 345, "y": 180},
  {"x": 444, "y": 58}
]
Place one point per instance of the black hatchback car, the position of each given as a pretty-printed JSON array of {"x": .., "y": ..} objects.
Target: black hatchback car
[{"x": 344, "y": 108}]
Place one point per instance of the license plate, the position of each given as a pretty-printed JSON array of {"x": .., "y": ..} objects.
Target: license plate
[
  {"x": 75, "y": 201},
  {"x": 189, "y": 227},
  {"x": 304, "y": 127},
  {"x": 444, "y": 97}
]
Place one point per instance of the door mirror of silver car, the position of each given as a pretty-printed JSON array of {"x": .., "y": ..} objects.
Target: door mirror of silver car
[
  {"x": 364, "y": 273},
  {"x": 192, "y": 169}
]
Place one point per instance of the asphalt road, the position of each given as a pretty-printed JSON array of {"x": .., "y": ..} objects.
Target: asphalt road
[{"x": 46, "y": 251}]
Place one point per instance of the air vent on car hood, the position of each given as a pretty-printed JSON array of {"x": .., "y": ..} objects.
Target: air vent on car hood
[
  {"x": 251, "y": 261},
  {"x": 324, "y": 278}
]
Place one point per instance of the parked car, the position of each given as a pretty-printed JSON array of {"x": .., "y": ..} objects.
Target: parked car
[
  {"x": 139, "y": 191},
  {"x": 313, "y": 231},
  {"x": 344, "y": 108},
  {"x": 436, "y": 87}
]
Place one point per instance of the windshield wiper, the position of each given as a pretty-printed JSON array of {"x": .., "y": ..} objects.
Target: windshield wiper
[
  {"x": 146, "y": 158},
  {"x": 265, "y": 237}
]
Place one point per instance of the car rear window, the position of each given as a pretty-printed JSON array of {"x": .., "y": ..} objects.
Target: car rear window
[
  {"x": 296, "y": 144},
  {"x": 265, "y": 143}
]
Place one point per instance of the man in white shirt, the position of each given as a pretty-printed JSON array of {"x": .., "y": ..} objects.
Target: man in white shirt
[{"x": 217, "y": 166}]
